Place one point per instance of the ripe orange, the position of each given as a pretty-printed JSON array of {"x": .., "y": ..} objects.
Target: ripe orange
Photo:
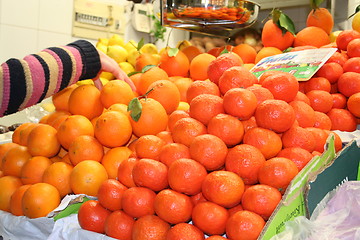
[
  {"x": 113, "y": 129},
  {"x": 210, "y": 217},
  {"x": 172, "y": 206},
  {"x": 273, "y": 36},
  {"x": 184, "y": 231},
  {"x": 236, "y": 77},
  {"x": 283, "y": 86},
  {"x": 58, "y": 175},
  {"x": 125, "y": 171},
  {"x": 267, "y": 141},
  {"x": 300, "y": 96},
  {"x": 87, "y": 176},
  {"x": 191, "y": 52},
  {"x": 173, "y": 151},
  {"x": 183, "y": 84},
  {"x": 149, "y": 146},
  {"x": 244, "y": 225},
  {"x": 305, "y": 37},
  {"x": 16, "y": 200},
  {"x": 339, "y": 100},
  {"x": 331, "y": 71},
  {"x": 267, "y": 52},
  {"x": 201, "y": 87},
  {"x": 240, "y": 103},
  {"x": 150, "y": 227},
  {"x": 42, "y": 141},
  {"x": 151, "y": 174},
  {"x": 317, "y": 83},
  {"x": 85, "y": 148},
  {"x": 352, "y": 65},
  {"x": 223, "y": 187},
  {"x": 321, "y": 136},
  {"x": 14, "y": 160},
  {"x": 165, "y": 136},
  {"x": 116, "y": 91},
  {"x": 92, "y": 216},
  {"x": 345, "y": 37},
  {"x": 278, "y": 173},
  {"x": 39, "y": 200},
  {"x": 322, "y": 18},
  {"x": 110, "y": 194},
  {"x": 304, "y": 114},
  {"x": 353, "y": 48},
  {"x": 228, "y": 128},
  {"x": 298, "y": 137},
  {"x": 177, "y": 65},
  {"x": 4, "y": 148},
  {"x": 175, "y": 116},
  {"x": 199, "y": 66},
  {"x": 246, "y": 52},
  {"x": 342, "y": 119},
  {"x": 261, "y": 199},
  {"x": 150, "y": 76},
  {"x": 186, "y": 129},
  {"x": 61, "y": 98},
  {"x": 33, "y": 170},
  {"x": 153, "y": 119},
  {"x": 219, "y": 65},
  {"x": 349, "y": 83},
  {"x": 145, "y": 59},
  {"x": 299, "y": 156},
  {"x": 138, "y": 201},
  {"x": 8, "y": 184},
  {"x": 353, "y": 104},
  {"x": 261, "y": 93},
  {"x": 245, "y": 160},
  {"x": 322, "y": 121},
  {"x": 113, "y": 158},
  {"x": 320, "y": 100},
  {"x": 205, "y": 106},
  {"x": 215, "y": 237},
  {"x": 24, "y": 133},
  {"x": 186, "y": 176},
  {"x": 166, "y": 93},
  {"x": 119, "y": 225},
  {"x": 276, "y": 115}
]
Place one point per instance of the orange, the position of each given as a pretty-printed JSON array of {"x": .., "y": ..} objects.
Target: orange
[
  {"x": 8, "y": 184},
  {"x": 33, "y": 170},
  {"x": 206, "y": 106},
  {"x": 183, "y": 85},
  {"x": 116, "y": 91},
  {"x": 317, "y": 83},
  {"x": 149, "y": 146},
  {"x": 150, "y": 227},
  {"x": 186, "y": 129},
  {"x": 322, "y": 121},
  {"x": 113, "y": 158},
  {"x": 246, "y": 52},
  {"x": 261, "y": 199},
  {"x": 349, "y": 83},
  {"x": 145, "y": 59},
  {"x": 210, "y": 217},
  {"x": 92, "y": 216},
  {"x": 151, "y": 174},
  {"x": 39, "y": 200},
  {"x": 245, "y": 160},
  {"x": 191, "y": 52},
  {"x": 110, "y": 194},
  {"x": 283, "y": 86},
  {"x": 322, "y": 18},
  {"x": 338, "y": 141},
  {"x": 16, "y": 200},
  {"x": 248, "y": 124},
  {"x": 153, "y": 119},
  {"x": 42, "y": 141},
  {"x": 305, "y": 37},
  {"x": 278, "y": 173},
  {"x": 219, "y": 65},
  {"x": 87, "y": 176},
  {"x": 147, "y": 78},
  {"x": 135, "y": 78},
  {"x": 57, "y": 122},
  {"x": 85, "y": 100},
  {"x": 209, "y": 150},
  {"x": 341, "y": 119},
  {"x": 353, "y": 48},
  {"x": 175, "y": 116},
  {"x": 304, "y": 114},
  {"x": 113, "y": 129},
  {"x": 321, "y": 136},
  {"x": 273, "y": 36},
  {"x": 58, "y": 175},
  {"x": 14, "y": 160},
  {"x": 54, "y": 117},
  {"x": 339, "y": 58},
  {"x": 183, "y": 231},
  {"x": 267, "y": 141},
  {"x": 223, "y": 187},
  {"x": 298, "y": 137},
  {"x": 61, "y": 98},
  {"x": 72, "y": 127},
  {"x": 266, "y": 74},
  {"x": 320, "y": 100},
  {"x": 215, "y": 237},
  {"x": 352, "y": 65},
  {"x": 138, "y": 201},
  {"x": 240, "y": 103},
  {"x": 345, "y": 37},
  {"x": 198, "y": 198},
  {"x": 300, "y": 96},
  {"x": 353, "y": 104},
  {"x": 166, "y": 93},
  {"x": 236, "y": 77},
  {"x": 22, "y": 137},
  {"x": 339, "y": 100},
  {"x": 173, "y": 207},
  {"x": 125, "y": 172},
  {"x": 186, "y": 176},
  {"x": 199, "y": 66},
  {"x": 85, "y": 148},
  {"x": 119, "y": 225},
  {"x": 276, "y": 115},
  {"x": 267, "y": 52},
  {"x": 261, "y": 93},
  {"x": 173, "y": 151},
  {"x": 331, "y": 71},
  {"x": 4, "y": 148},
  {"x": 165, "y": 136},
  {"x": 201, "y": 87},
  {"x": 228, "y": 128},
  {"x": 299, "y": 156},
  {"x": 244, "y": 225},
  {"x": 177, "y": 65}
]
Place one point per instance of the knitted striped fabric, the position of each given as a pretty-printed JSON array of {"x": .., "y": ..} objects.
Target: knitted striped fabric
[{"x": 25, "y": 82}]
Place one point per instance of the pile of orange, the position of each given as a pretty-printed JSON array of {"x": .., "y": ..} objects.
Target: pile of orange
[{"x": 202, "y": 148}]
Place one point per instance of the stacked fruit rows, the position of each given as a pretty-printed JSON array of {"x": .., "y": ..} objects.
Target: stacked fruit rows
[{"x": 203, "y": 147}]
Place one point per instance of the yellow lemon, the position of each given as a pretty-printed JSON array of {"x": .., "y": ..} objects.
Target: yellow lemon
[
  {"x": 132, "y": 56},
  {"x": 356, "y": 22},
  {"x": 102, "y": 47},
  {"x": 183, "y": 106},
  {"x": 149, "y": 48},
  {"x": 183, "y": 44},
  {"x": 130, "y": 45},
  {"x": 116, "y": 39},
  {"x": 117, "y": 52},
  {"x": 107, "y": 75},
  {"x": 334, "y": 35},
  {"x": 127, "y": 67},
  {"x": 85, "y": 82},
  {"x": 103, "y": 41},
  {"x": 104, "y": 81}
]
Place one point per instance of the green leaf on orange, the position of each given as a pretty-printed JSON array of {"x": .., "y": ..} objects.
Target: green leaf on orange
[
  {"x": 133, "y": 73},
  {"x": 140, "y": 44},
  {"x": 173, "y": 52},
  {"x": 315, "y": 3},
  {"x": 224, "y": 51},
  {"x": 283, "y": 21},
  {"x": 135, "y": 109},
  {"x": 147, "y": 67}
]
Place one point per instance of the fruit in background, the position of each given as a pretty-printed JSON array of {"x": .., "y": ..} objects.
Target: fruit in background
[
  {"x": 145, "y": 59},
  {"x": 102, "y": 44},
  {"x": 246, "y": 52},
  {"x": 149, "y": 48},
  {"x": 181, "y": 45},
  {"x": 174, "y": 62},
  {"x": 223, "y": 62},
  {"x": 126, "y": 67},
  {"x": 130, "y": 45},
  {"x": 311, "y": 36},
  {"x": 267, "y": 52},
  {"x": 191, "y": 52},
  {"x": 133, "y": 54},
  {"x": 322, "y": 18},
  {"x": 334, "y": 35},
  {"x": 116, "y": 39},
  {"x": 273, "y": 36},
  {"x": 345, "y": 37},
  {"x": 117, "y": 52},
  {"x": 355, "y": 24}
]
